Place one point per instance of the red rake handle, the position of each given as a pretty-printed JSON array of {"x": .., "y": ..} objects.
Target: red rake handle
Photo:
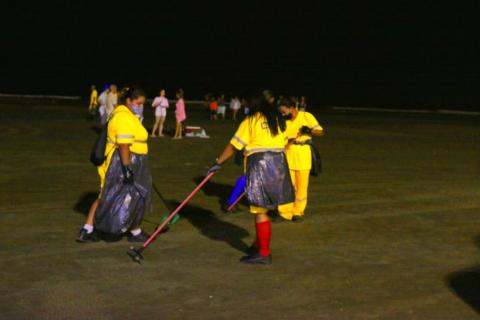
[
  {"x": 236, "y": 201},
  {"x": 170, "y": 217}
]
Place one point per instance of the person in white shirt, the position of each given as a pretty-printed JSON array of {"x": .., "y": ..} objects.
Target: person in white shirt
[
  {"x": 112, "y": 100},
  {"x": 222, "y": 108},
  {"x": 160, "y": 104},
  {"x": 102, "y": 101},
  {"x": 235, "y": 105}
]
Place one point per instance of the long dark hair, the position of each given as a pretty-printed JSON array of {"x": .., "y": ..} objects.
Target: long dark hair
[
  {"x": 131, "y": 93},
  {"x": 275, "y": 121}
]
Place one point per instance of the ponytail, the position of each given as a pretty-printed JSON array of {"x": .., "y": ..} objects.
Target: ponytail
[
  {"x": 130, "y": 93},
  {"x": 276, "y": 123}
]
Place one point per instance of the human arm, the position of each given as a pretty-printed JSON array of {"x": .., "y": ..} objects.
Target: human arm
[
  {"x": 239, "y": 141},
  {"x": 124, "y": 151},
  {"x": 227, "y": 153},
  {"x": 312, "y": 126},
  {"x": 156, "y": 102}
]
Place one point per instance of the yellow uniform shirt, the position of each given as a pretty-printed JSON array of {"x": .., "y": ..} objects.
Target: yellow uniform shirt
[
  {"x": 93, "y": 98},
  {"x": 253, "y": 135},
  {"x": 124, "y": 128},
  {"x": 300, "y": 157}
]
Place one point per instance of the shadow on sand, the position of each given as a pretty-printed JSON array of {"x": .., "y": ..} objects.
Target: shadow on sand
[
  {"x": 84, "y": 202},
  {"x": 213, "y": 228},
  {"x": 466, "y": 284},
  {"x": 219, "y": 190}
]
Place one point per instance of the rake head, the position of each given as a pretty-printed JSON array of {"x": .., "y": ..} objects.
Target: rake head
[{"x": 136, "y": 254}]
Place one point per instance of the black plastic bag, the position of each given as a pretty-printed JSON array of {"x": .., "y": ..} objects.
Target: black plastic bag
[
  {"x": 316, "y": 160},
  {"x": 97, "y": 155}
]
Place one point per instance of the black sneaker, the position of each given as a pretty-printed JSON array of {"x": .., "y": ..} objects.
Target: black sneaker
[
  {"x": 257, "y": 259},
  {"x": 297, "y": 219},
  {"x": 253, "y": 249},
  {"x": 142, "y": 237},
  {"x": 84, "y": 236}
]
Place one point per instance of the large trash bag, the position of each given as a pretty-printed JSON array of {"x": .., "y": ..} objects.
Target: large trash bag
[
  {"x": 122, "y": 206},
  {"x": 268, "y": 180}
]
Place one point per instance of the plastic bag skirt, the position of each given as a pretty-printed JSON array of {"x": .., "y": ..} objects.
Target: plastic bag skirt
[
  {"x": 122, "y": 206},
  {"x": 268, "y": 180}
]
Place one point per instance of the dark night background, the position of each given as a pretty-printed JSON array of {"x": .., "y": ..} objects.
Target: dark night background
[{"x": 391, "y": 53}]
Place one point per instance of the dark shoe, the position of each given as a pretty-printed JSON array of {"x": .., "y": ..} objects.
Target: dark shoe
[
  {"x": 256, "y": 259},
  {"x": 84, "y": 236},
  {"x": 253, "y": 249},
  {"x": 297, "y": 219},
  {"x": 142, "y": 237}
]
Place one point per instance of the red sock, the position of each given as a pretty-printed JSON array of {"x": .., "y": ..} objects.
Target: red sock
[{"x": 264, "y": 234}]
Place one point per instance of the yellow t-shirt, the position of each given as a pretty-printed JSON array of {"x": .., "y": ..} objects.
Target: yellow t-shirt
[
  {"x": 299, "y": 157},
  {"x": 123, "y": 128},
  {"x": 93, "y": 98},
  {"x": 254, "y": 136}
]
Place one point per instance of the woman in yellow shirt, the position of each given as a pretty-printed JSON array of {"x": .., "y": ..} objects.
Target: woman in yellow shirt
[
  {"x": 301, "y": 126},
  {"x": 261, "y": 135},
  {"x": 125, "y": 178},
  {"x": 92, "y": 107}
]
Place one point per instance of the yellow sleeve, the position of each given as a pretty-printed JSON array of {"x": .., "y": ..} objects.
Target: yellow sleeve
[
  {"x": 241, "y": 138},
  {"x": 125, "y": 133},
  {"x": 312, "y": 123},
  {"x": 93, "y": 98}
]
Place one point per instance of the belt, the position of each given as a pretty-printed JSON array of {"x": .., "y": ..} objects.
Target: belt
[
  {"x": 256, "y": 150},
  {"x": 303, "y": 143}
]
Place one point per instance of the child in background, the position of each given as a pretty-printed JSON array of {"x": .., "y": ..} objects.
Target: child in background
[
  {"x": 213, "y": 108},
  {"x": 161, "y": 105},
  {"x": 180, "y": 114}
]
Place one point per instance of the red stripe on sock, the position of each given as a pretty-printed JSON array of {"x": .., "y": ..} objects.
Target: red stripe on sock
[{"x": 264, "y": 234}]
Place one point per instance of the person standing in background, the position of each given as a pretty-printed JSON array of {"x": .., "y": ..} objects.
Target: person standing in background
[
  {"x": 235, "y": 106},
  {"x": 112, "y": 100},
  {"x": 92, "y": 107},
  {"x": 213, "y": 108},
  {"x": 102, "y": 101},
  {"x": 246, "y": 107},
  {"x": 161, "y": 105},
  {"x": 180, "y": 114},
  {"x": 302, "y": 105},
  {"x": 222, "y": 108}
]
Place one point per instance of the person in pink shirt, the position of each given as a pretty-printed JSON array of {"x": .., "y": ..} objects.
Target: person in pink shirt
[
  {"x": 160, "y": 104},
  {"x": 180, "y": 114}
]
